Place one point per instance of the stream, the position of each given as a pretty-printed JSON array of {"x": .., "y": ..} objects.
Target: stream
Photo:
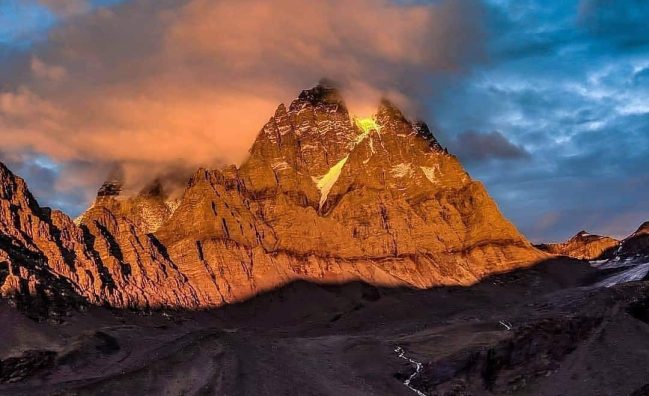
[{"x": 418, "y": 367}]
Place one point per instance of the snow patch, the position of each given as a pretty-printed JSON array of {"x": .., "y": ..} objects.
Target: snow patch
[
  {"x": 327, "y": 181},
  {"x": 401, "y": 170},
  {"x": 617, "y": 262},
  {"x": 431, "y": 173},
  {"x": 597, "y": 263},
  {"x": 634, "y": 274},
  {"x": 280, "y": 165}
]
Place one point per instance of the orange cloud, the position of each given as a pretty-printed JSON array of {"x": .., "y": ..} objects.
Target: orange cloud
[
  {"x": 66, "y": 8},
  {"x": 151, "y": 84},
  {"x": 50, "y": 72}
]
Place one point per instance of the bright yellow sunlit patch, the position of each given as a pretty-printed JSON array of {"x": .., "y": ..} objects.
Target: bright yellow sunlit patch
[{"x": 367, "y": 124}]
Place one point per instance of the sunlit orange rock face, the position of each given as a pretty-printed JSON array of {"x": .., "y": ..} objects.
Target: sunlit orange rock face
[
  {"x": 322, "y": 197},
  {"x": 584, "y": 246}
]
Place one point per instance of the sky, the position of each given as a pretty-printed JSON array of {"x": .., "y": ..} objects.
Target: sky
[{"x": 545, "y": 101}]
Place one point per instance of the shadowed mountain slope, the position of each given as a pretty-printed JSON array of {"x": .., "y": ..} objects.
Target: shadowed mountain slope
[{"x": 533, "y": 331}]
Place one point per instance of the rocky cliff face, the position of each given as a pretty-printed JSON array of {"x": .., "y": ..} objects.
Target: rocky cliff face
[
  {"x": 596, "y": 247},
  {"x": 322, "y": 197},
  {"x": 25, "y": 275},
  {"x": 107, "y": 260},
  {"x": 583, "y": 246},
  {"x": 148, "y": 209},
  {"x": 635, "y": 245},
  {"x": 628, "y": 257}
]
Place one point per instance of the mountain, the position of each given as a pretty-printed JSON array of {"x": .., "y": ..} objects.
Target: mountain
[
  {"x": 148, "y": 209},
  {"x": 323, "y": 197},
  {"x": 45, "y": 254},
  {"x": 334, "y": 231},
  {"x": 583, "y": 246},
  {"x": 586, "y": 246},
  {"x": 629, "y": 257},
  {"x": 636, "y": 245},
  {"x": 29, "y": 236}
]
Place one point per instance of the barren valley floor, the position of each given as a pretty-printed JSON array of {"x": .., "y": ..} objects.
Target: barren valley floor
[{"x": 566, "y": 338}]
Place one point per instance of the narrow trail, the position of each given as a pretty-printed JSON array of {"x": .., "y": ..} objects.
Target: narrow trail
[{"x": 418, "y": 367}]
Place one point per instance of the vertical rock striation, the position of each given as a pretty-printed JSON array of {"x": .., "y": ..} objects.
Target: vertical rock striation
[{"x": 322, "y": 197}]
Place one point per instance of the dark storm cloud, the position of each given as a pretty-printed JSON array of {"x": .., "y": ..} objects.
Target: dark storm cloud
[
  {"x": 567, "y": 81},
  {"x": 471, "y": 146},
  {"x": 620, "y": 22}
]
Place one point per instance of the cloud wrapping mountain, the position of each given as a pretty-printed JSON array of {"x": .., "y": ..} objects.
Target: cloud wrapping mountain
[{"x": 153, "y": 84}]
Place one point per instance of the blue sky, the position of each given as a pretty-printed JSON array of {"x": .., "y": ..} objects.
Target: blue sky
[
  {"x": 22, "y": 23},
  {"x": 568, "y": 84},
  {"x": 553, "y": 115}
]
